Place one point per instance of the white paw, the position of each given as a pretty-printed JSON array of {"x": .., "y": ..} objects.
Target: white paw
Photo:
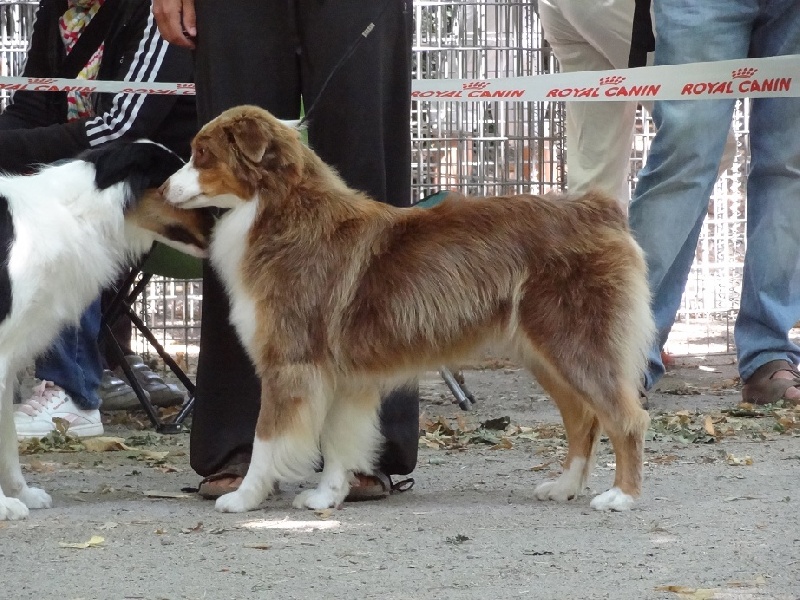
[
  {"x": 318, "y": 499},
  {"x": 12, "y": 509},
  {"x": 558, "y": 490},
  {"x": 235, "y": 502},
  {"x": 613, "y": 499},
  {"x": 35, "y": 498}
]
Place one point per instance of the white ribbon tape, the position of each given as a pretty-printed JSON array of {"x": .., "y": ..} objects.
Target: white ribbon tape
[
  {"x": 777, "y": 76},
  {"x": 87, "y": 86},
  {"x": 756, "y": 78}
]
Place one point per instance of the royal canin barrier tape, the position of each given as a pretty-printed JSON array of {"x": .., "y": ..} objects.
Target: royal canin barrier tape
[{"x": 772, "y": 77}]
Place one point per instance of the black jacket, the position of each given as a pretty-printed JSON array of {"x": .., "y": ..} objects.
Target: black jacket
[{"x": 34, "y": 127}]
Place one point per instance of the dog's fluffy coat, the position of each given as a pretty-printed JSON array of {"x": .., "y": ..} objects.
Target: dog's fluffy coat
[
  {"x": 66, "y": 232},
  {"x": 336, "y": 296}
]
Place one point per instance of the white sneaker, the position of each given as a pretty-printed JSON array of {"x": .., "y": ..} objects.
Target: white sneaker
[{"x": 34, "y": 417}]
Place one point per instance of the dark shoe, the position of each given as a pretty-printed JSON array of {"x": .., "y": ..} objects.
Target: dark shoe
[
  {"x": 764, "y": 388},
  {"x": 226, "y": 480},
  {"x": 366, "y": 487},
  {"x": 375, "y": 487},
  {"x": 161, "y": 392},
  {"x": 117, "y": 394}
]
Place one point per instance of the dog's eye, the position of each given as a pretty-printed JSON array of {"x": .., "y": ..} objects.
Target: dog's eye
[{"x": 201, "y": 152}]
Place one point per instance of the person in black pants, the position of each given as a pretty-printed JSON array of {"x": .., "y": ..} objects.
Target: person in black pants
[{"x": 283, "y": 55}]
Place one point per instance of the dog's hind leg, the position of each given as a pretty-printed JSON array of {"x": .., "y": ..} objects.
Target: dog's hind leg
[
  {"x": 349, "y": 440},
  {"x": 625, "y": 427},
  {"x": 15, "y": 495},
  {"x": 294, "y": 402},
  {"x": 594, "y": 401},
  {"x": 583, "y": 431}
]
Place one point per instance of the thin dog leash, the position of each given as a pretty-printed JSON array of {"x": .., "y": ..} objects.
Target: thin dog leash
[{"x": 348, "y": 53}]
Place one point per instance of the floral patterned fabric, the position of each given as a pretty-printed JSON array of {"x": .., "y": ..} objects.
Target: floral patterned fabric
[{"x": 71, "y": 25}]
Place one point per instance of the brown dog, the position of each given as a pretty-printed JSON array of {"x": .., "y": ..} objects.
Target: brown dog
[{"x": 336, "y": 296}]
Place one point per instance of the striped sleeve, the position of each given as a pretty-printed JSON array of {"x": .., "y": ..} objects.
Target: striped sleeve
[{"x": 125, "y": 109}]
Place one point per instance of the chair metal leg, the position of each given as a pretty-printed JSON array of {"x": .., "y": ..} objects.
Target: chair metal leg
[
  {"x": 463, "y": 396},
  {"x": 122, "y": 302}
]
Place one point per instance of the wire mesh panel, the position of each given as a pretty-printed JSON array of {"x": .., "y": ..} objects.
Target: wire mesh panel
[
  {"x": 490, "y": 147},
  {"x": 171, "y": 308},
  {"x": 486, "y": 147},
  {"x": 16, "y": 25}
]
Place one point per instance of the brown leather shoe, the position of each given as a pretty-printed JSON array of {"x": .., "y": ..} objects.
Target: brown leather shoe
[{"x": 764, "y": 388}]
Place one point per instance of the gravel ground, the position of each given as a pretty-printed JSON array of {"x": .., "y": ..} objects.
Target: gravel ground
[{"x": 717, "y": 519}]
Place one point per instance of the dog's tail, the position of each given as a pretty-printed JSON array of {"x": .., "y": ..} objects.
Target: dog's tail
[{"x": 635, "y": 326}]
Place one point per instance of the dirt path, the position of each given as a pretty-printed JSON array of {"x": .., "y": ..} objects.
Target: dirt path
[{"x": 718, "y": 519}]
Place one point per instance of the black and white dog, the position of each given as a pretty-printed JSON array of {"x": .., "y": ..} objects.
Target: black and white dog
[{"x": 66, "y": 232}]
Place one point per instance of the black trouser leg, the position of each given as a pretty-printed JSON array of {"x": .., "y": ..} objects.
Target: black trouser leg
[{"x": 270, "y": 53}]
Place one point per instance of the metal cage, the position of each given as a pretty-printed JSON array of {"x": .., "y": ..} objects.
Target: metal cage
[{"x": 485, "y": 148}]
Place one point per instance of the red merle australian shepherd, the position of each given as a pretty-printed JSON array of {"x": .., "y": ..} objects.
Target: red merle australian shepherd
[{"x": 336, "y": 297}]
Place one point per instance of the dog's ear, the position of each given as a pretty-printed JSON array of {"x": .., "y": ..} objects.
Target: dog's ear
[{"x": 250, "y": 138}]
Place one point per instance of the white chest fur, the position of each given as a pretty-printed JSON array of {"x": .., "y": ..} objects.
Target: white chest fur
[{"x": 227, "y": 250}]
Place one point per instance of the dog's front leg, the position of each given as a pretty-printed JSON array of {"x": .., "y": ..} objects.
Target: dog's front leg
[
  {"x": 286, "y": 446},
  {"x": 20, "y": 497},
  {"x": 350, "y": 440}
]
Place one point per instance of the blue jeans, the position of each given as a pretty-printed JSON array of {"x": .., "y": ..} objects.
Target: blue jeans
[
  {"x": 671, "y": 197},
  {"x": 74, "y": 361}
]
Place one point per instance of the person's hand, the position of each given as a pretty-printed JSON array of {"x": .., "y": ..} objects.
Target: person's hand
[{"x": 176, "y": 21}]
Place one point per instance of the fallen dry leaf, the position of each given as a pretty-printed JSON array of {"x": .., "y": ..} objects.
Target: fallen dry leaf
[
  {"x": 540, "y": 467},
  {"x": 259, "y": 546},
  {"x": 325, "y": 513},
  {"x": 504, "y": 444},
  {"x": 195, "y": 529},
  {"x": 167, "y": 468},
  {"x": 104, "y": 444},
  {"x": 152, "y": 455},
  {"x": 37, "y": 466},
  {"x": 708, "y": 425},
  {"x": 95, "y": 540},
  {"x": 735, "y": 461},
  {"x": 666, "y": 459},
  {"x": 688, "y": 592},
  {"x": 725, "y": 384},
  {"x": 760, "y": 580}
]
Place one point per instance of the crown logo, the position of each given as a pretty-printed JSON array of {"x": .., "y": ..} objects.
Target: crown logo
[
  {"x": 744, "y": 73},
  {"x": 475, "y": 85},
  {"x": 612, "y": 80}
]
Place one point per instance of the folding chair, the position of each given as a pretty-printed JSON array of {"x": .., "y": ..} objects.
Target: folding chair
[
  {"x": 454, "y": 381},
  {"x": 168, "y": 262}
]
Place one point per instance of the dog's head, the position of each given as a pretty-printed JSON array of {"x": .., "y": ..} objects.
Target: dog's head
[
  {"x": 141, "y": 167},
  {"x": 243, "y": 152},
  {"x": 186, "y": 230}
]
